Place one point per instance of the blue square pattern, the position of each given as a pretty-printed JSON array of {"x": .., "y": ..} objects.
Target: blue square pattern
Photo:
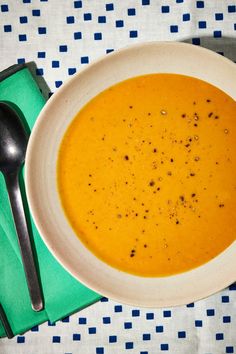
[
  {"x": 164, "y": 347},
  {"x": 166, "y": 313},
  {"x": 174, "y": 29},
  {"x": 39, "y": 72},
  {"x": 102, "y": 19},
  {"x": 7, "y": 28},
  {"x": 133, "y": 34},
  {"x": 198, "y": 323},
  {"x": 106, "y": 320},
  {"x": 84, "y": 60},
  {"x": 42, "y": 30},
  {"x": 127, "y": 325},
  {"x": 219, "y": 17},
  {"x": 4, "y": 8},
  {"x": 135, "y": 313},
  {"x": 159, "y": 329},
  {"x": 71, "y": 71},
  {"x": 76, "y": 337},
  {"x": 200, "y": 4},
  {"x": 66, "y": 319},
  {"x": 87, "y": 17},
  {"x": 35, "y": 329},
  {"x": 186, "y": 17},
  {"x": 22, "y": 37},
  {"x": 225, "y": 298},
  {"x": 23, "y": 19},
  {"x": 165, "y": 9},
  {"x": 190, "y": 305},
  {"x": 41, "y": 55},
  {"x": 63, "y": 48},
  {"x": 231, "y": 8},
  {"x": 51, "y": 324},
  {"x": 131, "y": 12},
  {"x": 202, "y": 24},
  {"x": 109, "y": 50},
  {"x": 92, "y": 330},
  {"x": 100, "y": 350},
  {"x": 129, "y": 345},
  {"x": 150, "y": 316},
  {"x": 118, "y": 308},
  {"x": 119, "y": 23},
  {"x": 181, "y": 334},
  {"x": 70, "y": 19},
  {"x": 82, "y": 320},
  {"x": 146, "y": 336},
  {"x": 78, "y": 4},
  {"x": 36, "y": 12},
  {"x": 217, "y": 34},
  {"x": 98, "y": 36},
  {"x": 210, "y": 312},
  {"x": 109, "y": 7},
  {"x": 21, "y": 60},
  {"x": 229, "y": 349},
  {"x": 55, "y": 64},
  {"x": 226, "y": 319},
  {"x": 104, "y": 299},
  {"x": 56, "y": 339},
  {"x": 112, "y": 339},
  {"x": 20, "y": 339},
  {"x": 196, "y": 41},
  {"x": 77, "y": 35},
  {"x": 232, "y": 286},
  {"x": 219, "y": 336},
  {"x": 145, "y": 2}
]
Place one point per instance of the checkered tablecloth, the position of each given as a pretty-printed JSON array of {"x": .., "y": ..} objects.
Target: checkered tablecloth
[{"x": 61, "y": 36}]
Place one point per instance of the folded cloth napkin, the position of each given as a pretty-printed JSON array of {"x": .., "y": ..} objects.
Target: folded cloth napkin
[{"x": 63, "y": 294}]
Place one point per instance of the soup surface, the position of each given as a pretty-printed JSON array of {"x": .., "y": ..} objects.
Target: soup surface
[{"x": 147, "y": 174}]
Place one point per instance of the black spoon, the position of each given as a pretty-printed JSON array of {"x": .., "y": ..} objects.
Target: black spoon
[
  {"x": 13, "y": 143},
  {"x": 5, "y": 323}
]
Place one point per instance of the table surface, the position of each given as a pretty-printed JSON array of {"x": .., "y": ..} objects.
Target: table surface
[{"x": 61, "y": 37}]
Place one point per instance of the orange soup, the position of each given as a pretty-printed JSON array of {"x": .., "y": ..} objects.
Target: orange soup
[{"x": 147, "y": 174}]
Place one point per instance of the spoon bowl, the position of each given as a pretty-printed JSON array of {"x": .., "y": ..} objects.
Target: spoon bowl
[{"x": 13, "y": 139}]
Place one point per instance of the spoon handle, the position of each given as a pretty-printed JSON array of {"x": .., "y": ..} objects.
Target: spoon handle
[{"x": 12, "y": 183}]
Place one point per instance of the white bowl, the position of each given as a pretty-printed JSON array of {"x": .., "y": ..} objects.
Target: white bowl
[{"x": 41, "y": 186}]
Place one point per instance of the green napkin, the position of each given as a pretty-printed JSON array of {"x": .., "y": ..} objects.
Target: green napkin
[{"x": 63, "y": 294}]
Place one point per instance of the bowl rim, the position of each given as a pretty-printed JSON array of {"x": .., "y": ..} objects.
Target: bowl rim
[{"x": 30, "y": 152}]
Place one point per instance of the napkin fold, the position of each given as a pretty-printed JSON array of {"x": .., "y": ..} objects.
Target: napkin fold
[{"x": 63, "y": 295}]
